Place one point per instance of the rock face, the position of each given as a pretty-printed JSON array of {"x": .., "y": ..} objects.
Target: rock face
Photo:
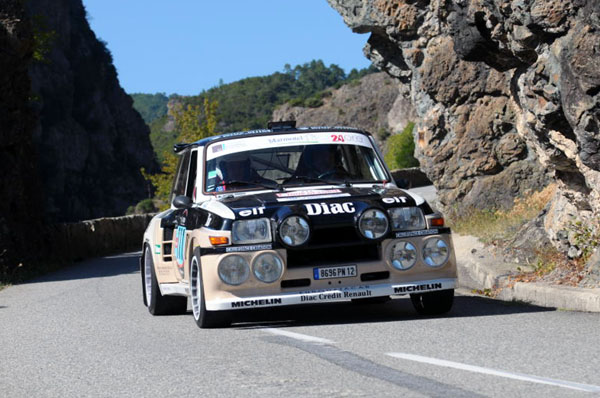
[
  {"x": 374, "y": 103},
  {"x": 507, "y": 94},
  {"x": 18, "y": 183},
  {"x": 91, "y": 141}
]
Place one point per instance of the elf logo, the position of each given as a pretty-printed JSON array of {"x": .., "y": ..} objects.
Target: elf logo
[
  {"x": 252, "y": 212},
  {"x": 317, "y": 209}
]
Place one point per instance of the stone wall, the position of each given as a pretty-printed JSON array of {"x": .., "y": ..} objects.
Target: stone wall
[{"x": 99, "y": 237}]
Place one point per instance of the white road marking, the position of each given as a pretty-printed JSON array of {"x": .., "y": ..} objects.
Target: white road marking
[
  {"x": 499, "y": 373},
  {"x": 298, "y": 336}
]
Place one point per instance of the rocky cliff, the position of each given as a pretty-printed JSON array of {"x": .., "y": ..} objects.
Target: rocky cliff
[
  {"x": 374, "y": 103},
  {"x": 18, "y": 183},
  {"x": 91, "y": 141},
  {"x": 507, "y": 94}
]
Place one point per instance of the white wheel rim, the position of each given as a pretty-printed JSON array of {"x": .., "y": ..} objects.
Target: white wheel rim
[
  {"x": 148, "y": 275},
  {"x": 196, "y": 288}
]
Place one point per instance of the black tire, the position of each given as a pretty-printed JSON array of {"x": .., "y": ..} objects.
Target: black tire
[
  {"x": 203, "y": 317},
  {"x": 157, "y": 303},
  {"x": 433, "y": 303}
]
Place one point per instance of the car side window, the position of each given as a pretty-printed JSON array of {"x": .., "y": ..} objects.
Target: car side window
[
  {"x": 181, "y": 176},
  {"x": 191, "y": 180}
]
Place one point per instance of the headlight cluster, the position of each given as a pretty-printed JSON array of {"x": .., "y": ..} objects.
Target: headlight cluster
[
  {"x": 294, "y": 231},
  {"x": 373, "y": 224},
  {"x": 251, "y": 231},
  {"x": 402, "y": 255},
  {"x": 407, "y": 218},
  {"x": 235, "y": 270}
]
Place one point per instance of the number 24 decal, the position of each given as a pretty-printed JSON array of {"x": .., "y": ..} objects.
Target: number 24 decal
[{"x": 337, "y": 138}]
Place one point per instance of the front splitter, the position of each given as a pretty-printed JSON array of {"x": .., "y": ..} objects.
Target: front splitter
[{"x": 330, "y": 295}]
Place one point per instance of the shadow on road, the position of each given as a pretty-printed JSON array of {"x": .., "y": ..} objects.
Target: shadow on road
[
  {"x": 126, "y": 263},
  {"x": 392, "y": 311}
]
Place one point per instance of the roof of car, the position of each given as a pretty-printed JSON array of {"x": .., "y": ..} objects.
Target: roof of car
[{"x": 205, "y": 141}]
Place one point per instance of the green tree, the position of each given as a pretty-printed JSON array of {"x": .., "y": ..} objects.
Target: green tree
[
  {"x": 401, "y": 149},
  {"x": 193, "y": 122}
]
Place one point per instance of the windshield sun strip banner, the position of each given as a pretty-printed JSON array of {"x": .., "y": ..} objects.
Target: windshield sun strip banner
[
  {"x": 227, "y": 147},
  {"x": 330, "y": 295}
]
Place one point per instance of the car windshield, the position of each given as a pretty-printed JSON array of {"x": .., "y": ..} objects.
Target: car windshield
[{"x": 290, "y": 160}]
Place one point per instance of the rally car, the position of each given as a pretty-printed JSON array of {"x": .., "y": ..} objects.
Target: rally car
[{"x": 289, "y": 216}]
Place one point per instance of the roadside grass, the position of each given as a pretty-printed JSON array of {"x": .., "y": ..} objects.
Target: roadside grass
[
  {"x": 28, "y": 270},
  {"x": 498, "y": 226}
]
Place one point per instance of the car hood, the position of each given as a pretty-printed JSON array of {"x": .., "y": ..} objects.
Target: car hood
[{"x": 321, "y": 205}]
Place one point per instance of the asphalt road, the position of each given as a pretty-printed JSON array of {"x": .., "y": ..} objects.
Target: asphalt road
[{"x": 85, "y": 332}]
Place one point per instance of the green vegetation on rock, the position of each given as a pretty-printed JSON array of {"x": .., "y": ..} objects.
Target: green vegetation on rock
[
  {"x": 150, "y": 106},
  {"x": 401, "y": 149}
]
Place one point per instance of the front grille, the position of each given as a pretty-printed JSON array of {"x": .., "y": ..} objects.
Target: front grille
[
  {"x": 325, "y": 237},
  {"x": 338, "y": 254},
  {"x": 295, "y": 283},
  {"x": 374, "y": 276}
]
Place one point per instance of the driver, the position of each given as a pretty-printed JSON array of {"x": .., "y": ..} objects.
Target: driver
[
  {"x": 237, "y": 169},
  {"x": 321, "y": 161}
]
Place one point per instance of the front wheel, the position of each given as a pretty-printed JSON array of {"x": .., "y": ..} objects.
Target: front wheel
[
  {"x": 433, "y": 303},
  {"x": 203, "y": 317},
  {"x": 156, "y": 302}
]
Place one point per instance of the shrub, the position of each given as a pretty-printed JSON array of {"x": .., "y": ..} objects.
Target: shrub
[
  {"x": 145, "y": 206},
  {"x": 401, "y": 149}
]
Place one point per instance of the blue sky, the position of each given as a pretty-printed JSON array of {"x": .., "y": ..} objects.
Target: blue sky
[{"x": 185, "y": 46}]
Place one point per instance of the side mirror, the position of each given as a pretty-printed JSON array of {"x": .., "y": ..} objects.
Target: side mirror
[
  {"x": 182, "y": 202},
  {"x": 403, "y": 183}
]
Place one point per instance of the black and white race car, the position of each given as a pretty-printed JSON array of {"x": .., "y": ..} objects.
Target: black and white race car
[{"x": 288, "y": 216}]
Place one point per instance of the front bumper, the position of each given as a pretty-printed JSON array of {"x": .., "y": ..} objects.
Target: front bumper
[{"x": 331, "y": 295}]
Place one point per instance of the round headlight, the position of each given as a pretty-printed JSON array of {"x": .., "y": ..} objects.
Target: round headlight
[
  {"x": 294, "y": 231},
  {"x": 234, "y": 270},
  {"x": 267, "y": 267},
  {"x": 435, "y": 252},
  {"x": 403, "y": 255},
  {"x": 373, "y": 224}
]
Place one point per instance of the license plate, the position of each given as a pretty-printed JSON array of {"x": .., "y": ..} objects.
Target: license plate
[{"x": 346, "y": 271}]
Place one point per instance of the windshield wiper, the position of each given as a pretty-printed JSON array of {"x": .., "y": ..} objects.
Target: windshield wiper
[
  {"x": 253, "y": 183},
  {"x": 314, "y": 179}
]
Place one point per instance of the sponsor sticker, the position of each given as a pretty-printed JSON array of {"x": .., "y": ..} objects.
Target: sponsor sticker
[
  {"x": 282, "y": 140},
  {"x": 395, "y": 199},
  {"x": 248, "y": 248},
  {"x": 317, "y": 209},
  {"x": 255, "y": 211},
  {"x": 180, "y": 245},
  {"x": 425, "y": 232},
  {"x": 310, "y": 192},
  {"x": 156, "y": 249},
  {"x": 425, "y": 287}
]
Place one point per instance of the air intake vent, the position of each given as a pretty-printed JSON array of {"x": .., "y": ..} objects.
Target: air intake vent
[{"x": 283, "y": 125}]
